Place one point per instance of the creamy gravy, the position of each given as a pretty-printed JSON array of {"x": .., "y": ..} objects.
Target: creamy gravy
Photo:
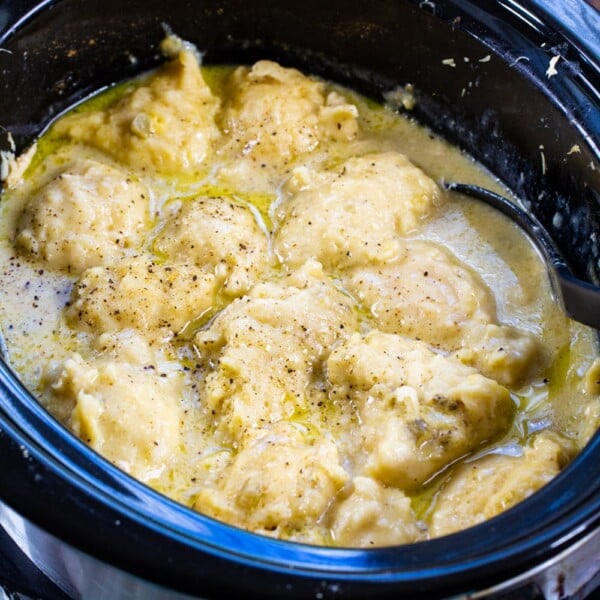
[{"x": 234, "y": 285}]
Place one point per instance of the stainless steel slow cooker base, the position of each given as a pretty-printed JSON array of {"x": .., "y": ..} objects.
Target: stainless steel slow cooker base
[{"x": 571, "y": 575}]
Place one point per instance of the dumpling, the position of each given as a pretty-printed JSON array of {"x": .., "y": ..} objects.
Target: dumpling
[
  {"x": 89, "y": 214},
  {"x": 220, "y": 235},
  {"x": 427, "y": 294},
  {"x": 355, "y": 213},
  {"x": 272, "y": 115},
  {"x": 139, "y": 293},
  {"x": 165, "y": 125},
  {"x": 419, "y": 410},
  {"x": 278, "y": 483},
  {"x": 265, "y": 347},
  {"x": 483, "y": 488},
  {"x": 125, "y": 405}
]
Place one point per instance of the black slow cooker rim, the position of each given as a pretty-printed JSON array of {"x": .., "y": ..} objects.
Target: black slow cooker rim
[
  {"x": 567, "y": 509},
  {"x": 54, "y": 460}
]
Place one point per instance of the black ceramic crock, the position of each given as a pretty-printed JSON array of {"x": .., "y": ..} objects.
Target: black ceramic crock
[{"x": 97, "y": 533}]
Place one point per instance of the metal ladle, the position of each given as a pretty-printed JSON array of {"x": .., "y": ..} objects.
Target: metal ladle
[{"x": 579, "y": 299}]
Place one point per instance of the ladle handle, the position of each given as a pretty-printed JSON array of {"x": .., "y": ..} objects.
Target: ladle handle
[{"x": 579, "y": 299}]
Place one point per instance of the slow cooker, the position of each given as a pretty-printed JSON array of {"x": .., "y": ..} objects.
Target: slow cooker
[{"x": 522, "y": 90}]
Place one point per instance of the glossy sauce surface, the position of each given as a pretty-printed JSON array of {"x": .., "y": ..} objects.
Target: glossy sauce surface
[{"x": 251, "y": 300}]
